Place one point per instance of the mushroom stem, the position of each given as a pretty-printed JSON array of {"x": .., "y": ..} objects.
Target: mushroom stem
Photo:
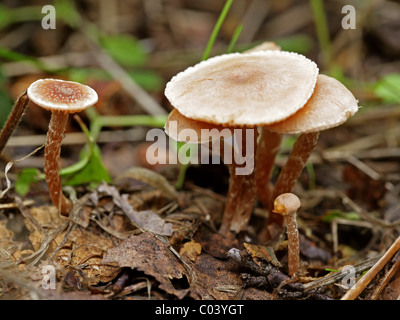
[
  {"x": 267, "y": 150},
  {"x": 293, "y": 244},
  {"x": 293, "y": 167},
  {"x": 54, "y": 138},
  {"x": 242, "y": 189},
  {"x": 286, "y": 205},
  {"x": 13, "y": 120}
]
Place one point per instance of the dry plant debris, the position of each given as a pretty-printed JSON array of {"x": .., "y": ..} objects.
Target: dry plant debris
[{"x": 136, "y": 237}]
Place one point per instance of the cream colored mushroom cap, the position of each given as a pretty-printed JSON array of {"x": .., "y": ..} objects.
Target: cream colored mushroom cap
[
  {"x": 257, "y": 88},
  {"x": 286, "y": 204},
  {"x": 183, "y": 129},
  {"x": 330, "y": 105},
  {"x": 55, "y": 94}
]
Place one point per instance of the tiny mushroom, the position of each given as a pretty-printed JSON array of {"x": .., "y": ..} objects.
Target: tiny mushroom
[
  {"x": 287, "y": 205},
  {"x": 330, "y": 105},
  {"x": 61, "y": 98},
  {"x": 243, "y": 91}
]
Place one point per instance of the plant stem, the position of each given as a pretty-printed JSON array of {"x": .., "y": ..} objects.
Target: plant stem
[
  {"x": 216, "y": 29},
  {"x": 292, "y": 169},
  {"x": 242, "y": 187},
  {"x": 293, "y": 245},
  {"x": 234, "y": 39},
  {"x": 267, "y": 150},
  {"x": 321, "y": 25},
  {"x": 13, "y": 120},
  {"x": 54, "y": 138},
  {"x": 206, "y": 54}
]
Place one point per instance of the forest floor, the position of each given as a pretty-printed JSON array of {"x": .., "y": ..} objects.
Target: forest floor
[{"x": 134, "y": 236}]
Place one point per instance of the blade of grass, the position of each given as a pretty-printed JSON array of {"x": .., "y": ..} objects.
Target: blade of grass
[
  {"x": 321, "y": 25},
  {"x": 234, "y": 39},
  {"x": 206, "y": 55},
  {"x": 216, "y": 29}
]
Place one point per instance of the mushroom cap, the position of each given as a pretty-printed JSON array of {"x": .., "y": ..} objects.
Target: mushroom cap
[
  {"x": 264, "y": 46},
  {"x": 196, "y": 131},
  {"x": 330, "y": 105},
  {"x": 286, "y": 204},
  {"x": 257, "y": 88},
  {"x": 60, "y": 95}
]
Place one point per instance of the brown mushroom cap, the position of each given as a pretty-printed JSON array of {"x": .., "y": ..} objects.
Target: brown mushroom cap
[
  {"x": 195, "y": 127},
  {"x": 330, "y": 105},
  {"x": 257, "y": 88},
  {"x": 54, "y": 94}
]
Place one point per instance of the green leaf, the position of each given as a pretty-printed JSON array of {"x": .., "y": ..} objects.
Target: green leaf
[
  {"x": 388, "y": 88},
  {"x": 147, "y": 79},
  {"x": 89, "y": 169},
  {"x": 126, "y": 50},
  {"x": 93, "y": 172},
  {"x": 333, "y": 214},
  {"x": 5, "y": 16},
  {"x": 299, "y": 43},
  {"x": 24, "y": 180},
  {"x": 67, "y": 12}
]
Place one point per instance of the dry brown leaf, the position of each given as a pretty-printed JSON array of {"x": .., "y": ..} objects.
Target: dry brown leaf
[
  {"x": 146, "y": 220},
  {"x": 5, "y": 235},
  {"x": 152, "y": 256},
  {"x": 151, "y": 178},
  {"x": 220, "y": 279},
  {"x": 83, "y": 248},
  {"x": 190, "y": 250}
]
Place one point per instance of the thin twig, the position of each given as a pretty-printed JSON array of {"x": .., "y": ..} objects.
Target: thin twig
[
  {"x": 356, "y": 290},
  {"x": 388, "y": 276},
  {"x": 13, "y": 119},
  {"x": 332, "y": 278},
  {"x": 147, "y": 103}
]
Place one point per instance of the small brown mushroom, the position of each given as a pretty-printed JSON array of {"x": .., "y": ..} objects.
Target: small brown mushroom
[
  {"x": 330, "y": 105},
  {"x": 287, "y": 205},
  {"x": 61, "y": 98},
  {"x": 243, "y": 90}
]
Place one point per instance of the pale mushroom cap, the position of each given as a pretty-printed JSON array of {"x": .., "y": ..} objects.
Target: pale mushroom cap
[
  {"x": 54, "y": 94},
  {"x": 183, "y": 129},
  {"x": 264, "y": 46},
  {"x": 287, "y": 204},
  {"x": 257, "y": 88},
  {"x": 330, "y": 105}
]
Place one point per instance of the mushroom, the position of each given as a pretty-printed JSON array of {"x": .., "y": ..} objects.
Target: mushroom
[
  {"x": 330, "y": 105},
  {"x": 287, "y": 205},
  {"x": 243, "y": 91},
  {"x": 61, "y": 98}
]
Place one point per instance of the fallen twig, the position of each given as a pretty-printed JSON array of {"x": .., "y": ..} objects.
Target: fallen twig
[{"x": 356, "y": 290}]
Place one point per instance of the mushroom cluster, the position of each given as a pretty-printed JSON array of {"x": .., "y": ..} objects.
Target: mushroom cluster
[{"x": 263, "y": 93}]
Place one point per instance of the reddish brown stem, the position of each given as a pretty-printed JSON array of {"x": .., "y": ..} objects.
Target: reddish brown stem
[
  {"x": 54, "y": 138},
  {"x": 287, "y": 205},
  {"x": 13, "y": 120},
  {"x": 292, "y": 169},
  {"x": 241, "y": 192},
  {"x": 267, "y": 150},
  {"x": 293, "y": 245}
]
